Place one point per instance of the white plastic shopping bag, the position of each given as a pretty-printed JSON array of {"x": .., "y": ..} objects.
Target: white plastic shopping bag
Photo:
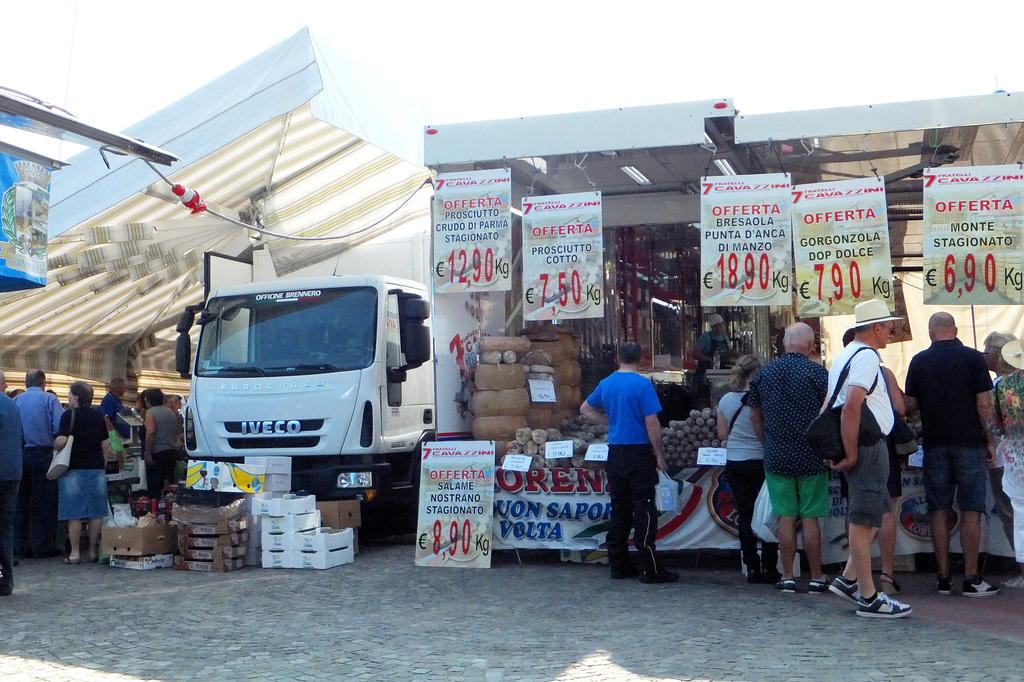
[
  {"x": 666, "y": 493},
  {"x": 765, "y": 523}
]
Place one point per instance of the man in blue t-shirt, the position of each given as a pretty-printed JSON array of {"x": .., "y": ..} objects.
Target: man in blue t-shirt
[{"x": 635, "y": 456}]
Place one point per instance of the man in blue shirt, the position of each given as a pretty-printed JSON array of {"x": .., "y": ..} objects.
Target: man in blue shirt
[
  {"x": 10, "y": 478},
  {"x": 635, "y": 455},
  {"x": 36, "y": 522},
  {"x": 111, "y": 405}
]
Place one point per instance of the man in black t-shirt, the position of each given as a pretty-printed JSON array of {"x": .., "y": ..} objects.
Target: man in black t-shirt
[{"x": 950, "y": 384}]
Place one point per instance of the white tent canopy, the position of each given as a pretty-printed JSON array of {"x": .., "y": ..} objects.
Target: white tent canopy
[{"x": 299, "y": 140}]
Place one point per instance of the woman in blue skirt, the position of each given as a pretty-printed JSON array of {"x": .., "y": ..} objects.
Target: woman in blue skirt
[{"x": 83, "y": 488}]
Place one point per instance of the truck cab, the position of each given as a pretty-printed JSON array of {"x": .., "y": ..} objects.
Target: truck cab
[{"x": 333, "y": 372}]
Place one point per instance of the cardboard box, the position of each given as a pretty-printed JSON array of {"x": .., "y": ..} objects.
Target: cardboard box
[
  {"x": 292, "y": 504},
  {"x": 146, "y": 563},
  {"x": 291, "y": 522},
  {"x": 218, "y": 565},
  {"x": 270, "y": 540},
  {"x": 322, "y": 560},
  {"x": 161, "y": 538},
  {"x": 225, "y": 476},
  {"x": 199, "y": 514},
  {"x": 259, "y": 504},
  {"x": 322, "y": 540},
  {"x": 272, "y": 465},
  {"x": 236, "y": 525},
  {"x": 340, "y": 513},
  {"x": 210, "y": 541},
  {"x": 281, "y": 483},
  {"x": 230, "y": 552},
  {"x": 277, "y": 558}
]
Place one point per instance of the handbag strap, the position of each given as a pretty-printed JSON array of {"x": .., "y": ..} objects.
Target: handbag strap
[
  {"x": 71, "y": 426},
  {"x": 845, "y": 373},
  {"x": 743, "y": 403}
]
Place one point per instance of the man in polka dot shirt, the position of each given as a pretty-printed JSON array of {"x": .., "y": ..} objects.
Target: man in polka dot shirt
[{"x": 784, "y": 397}]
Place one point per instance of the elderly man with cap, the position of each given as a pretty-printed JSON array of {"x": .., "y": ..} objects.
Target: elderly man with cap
[
  {"x": 864, "y": 395},
  {"x": 711, "y": 345},
  {"x": 950, "y": 384}
]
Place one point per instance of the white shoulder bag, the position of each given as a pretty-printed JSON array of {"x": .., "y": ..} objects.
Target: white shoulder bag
[{"x": 62, "y": 458}]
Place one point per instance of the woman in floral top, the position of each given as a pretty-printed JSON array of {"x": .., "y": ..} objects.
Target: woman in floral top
[{"x": 1008, "y": 421}]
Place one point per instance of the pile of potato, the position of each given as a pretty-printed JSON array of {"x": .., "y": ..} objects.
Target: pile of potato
[{"x": 682, "y": 438}]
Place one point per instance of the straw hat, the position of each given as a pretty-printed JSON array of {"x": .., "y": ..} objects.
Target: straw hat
[
  {"x": 871, "y": 312},
  {"x": 1013, "y": 354}
]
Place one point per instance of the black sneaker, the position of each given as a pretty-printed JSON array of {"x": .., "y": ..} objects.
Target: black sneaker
[
  {"x": 883, "y": 606},
  {"x": 977, "y": 587},
  {"x": 754, "y": 576},
  {"x": 787, "y": 585},
  {"x": 944, "y": 585},
  {"x": 818, "y": 585},
  {"x": 624, "y": 573},
  {"x": 659, "y": 577},
  {"x": 845, "y": 589},
  {"x": 770, "y": 576}
]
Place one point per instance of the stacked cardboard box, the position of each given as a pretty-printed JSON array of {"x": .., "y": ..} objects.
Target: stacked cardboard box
[
  {"x": 140, "y": 548},
  {"x": 291, "y": 535},
  {"x": 211, "y": 538}
]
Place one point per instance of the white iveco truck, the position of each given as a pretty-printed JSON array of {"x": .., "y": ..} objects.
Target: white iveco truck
[{"x": 334, "y": 372}]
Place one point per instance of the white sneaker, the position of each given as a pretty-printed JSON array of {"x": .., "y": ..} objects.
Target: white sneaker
[
  {"x": 1015, "y": 583},
  {"x": 977, "y": 587},
  {"x": 883, "y": 606}
]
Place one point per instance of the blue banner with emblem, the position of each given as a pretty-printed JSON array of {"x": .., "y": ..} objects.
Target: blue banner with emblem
[{"x": 24, "y": 216}]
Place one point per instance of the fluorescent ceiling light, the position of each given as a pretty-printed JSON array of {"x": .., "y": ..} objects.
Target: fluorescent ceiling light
[
  {"x": 516, "y": 211},
  {"x": 725, "y": 167},
  {"x": 635, "y": 175}
]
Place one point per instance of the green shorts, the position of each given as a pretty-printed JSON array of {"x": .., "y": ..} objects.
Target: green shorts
[{"x": 803, "y": 496}]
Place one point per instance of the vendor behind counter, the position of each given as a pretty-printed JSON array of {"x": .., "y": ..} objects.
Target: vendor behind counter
[{"x": 712, "y": 342}]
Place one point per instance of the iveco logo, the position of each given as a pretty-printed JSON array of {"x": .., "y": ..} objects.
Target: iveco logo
[{"x": 280, "y": 426}]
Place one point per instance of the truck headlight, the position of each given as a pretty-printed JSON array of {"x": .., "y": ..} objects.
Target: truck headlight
[
  {"x": 190, "y": 430},
  {"x": 355, "y": 479}
]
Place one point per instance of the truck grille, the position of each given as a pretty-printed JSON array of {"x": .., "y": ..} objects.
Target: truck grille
[
  {"x": 306, "y": 424},
  {"x": 268, "y": 442}
]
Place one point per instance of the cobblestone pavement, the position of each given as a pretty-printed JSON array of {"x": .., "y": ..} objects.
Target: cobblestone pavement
[{"x": 382, "y": 618}]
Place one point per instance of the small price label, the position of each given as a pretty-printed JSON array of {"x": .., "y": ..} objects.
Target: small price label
[
  {"x": 916, "y": 460},
  {"x": 516, "y": 462},
  {"x": 558, "y": 449},
  {"x": 542, "y": 391},
  {"x": 597, "y": 452},
  {"x": 711, "y": 456}
]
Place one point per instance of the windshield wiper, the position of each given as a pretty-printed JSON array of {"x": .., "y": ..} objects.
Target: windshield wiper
[
  {"x": 258, "y": 371},
  {"x": 318, "y": 366}
]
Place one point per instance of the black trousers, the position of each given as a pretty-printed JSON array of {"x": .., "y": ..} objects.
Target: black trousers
[
  {"x": 161, "y": 471},
  {"x": 745, "y": 480},
  {"x": 632, "y": 473}
]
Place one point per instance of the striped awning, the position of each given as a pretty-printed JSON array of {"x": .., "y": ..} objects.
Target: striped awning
[{"x": 298, "y": 140}]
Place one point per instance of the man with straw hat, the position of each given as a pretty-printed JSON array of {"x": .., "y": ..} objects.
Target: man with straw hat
[
  {"x": 950, "y": 384},
  {"x": 862, "y": 395}
]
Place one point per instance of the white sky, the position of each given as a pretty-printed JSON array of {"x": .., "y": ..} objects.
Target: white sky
[{"x": 480, "y": 59}]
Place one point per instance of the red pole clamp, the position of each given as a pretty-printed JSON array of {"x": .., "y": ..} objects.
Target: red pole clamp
[{"x": 190, "y": 198}]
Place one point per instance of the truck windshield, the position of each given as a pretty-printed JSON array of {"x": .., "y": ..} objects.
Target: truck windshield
[{"x": 283, "y": 333}]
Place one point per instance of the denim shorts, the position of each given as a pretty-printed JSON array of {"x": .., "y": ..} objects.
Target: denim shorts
[
  {"x": 959, "y": 468},
  {"x": 868, "y": 497},
  {"x": 83, "y": 495}
]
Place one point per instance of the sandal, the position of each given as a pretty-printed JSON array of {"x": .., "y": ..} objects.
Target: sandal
[
  {"x": 886, "y": 580},
  {"x": 77, "y": 560}
]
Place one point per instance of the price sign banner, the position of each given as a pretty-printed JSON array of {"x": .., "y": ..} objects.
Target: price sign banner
[
  {"x": 456, "y": 504},
  {"x": 563, "y": 257},
  {"x": 542, "y": 391},
  {"x": 841, "y": 246},
  {"x": 558, "y": 449},
  {"x": 973, "y": 222},
  {"x": 711, "y": 456},
  {"x": 472, "y": 231},
  {"x": 746, "y": 253},
  {"x": 516, "y": 463}
]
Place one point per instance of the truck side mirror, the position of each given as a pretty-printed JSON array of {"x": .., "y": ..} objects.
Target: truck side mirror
[
  {"x": 413, "y": 311},
  {"x": 183, "y": 345}
]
